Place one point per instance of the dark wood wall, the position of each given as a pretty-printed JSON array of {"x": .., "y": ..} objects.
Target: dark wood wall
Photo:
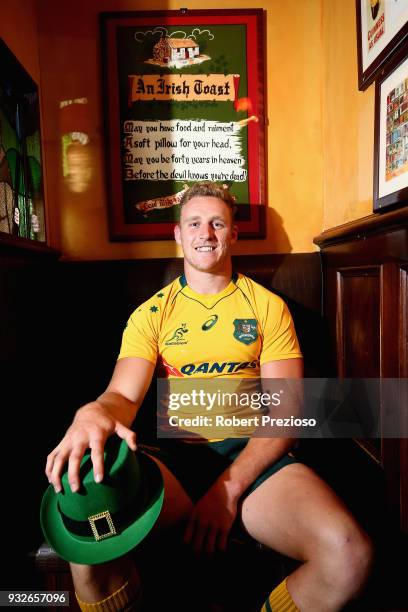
[
  {"x": 26, "y": 377},
  {"x": 365, "y": 267}
]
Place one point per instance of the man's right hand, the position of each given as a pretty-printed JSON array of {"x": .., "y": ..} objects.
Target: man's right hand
[
  {"x": 91, "y": 427},
  {"x": 96, "y": 421}
]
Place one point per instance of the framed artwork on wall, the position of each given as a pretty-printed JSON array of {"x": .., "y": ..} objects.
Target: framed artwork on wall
[
  {"x": 391, "y": 135},
  {"x": 183, "y": 102},
  {"x": 22, "y": 218},
  {"x": 382, "y": 25}
]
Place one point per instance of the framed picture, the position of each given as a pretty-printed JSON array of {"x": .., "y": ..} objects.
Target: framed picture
[
  {"x": 21, "y": 172},
  {"x": 382, "y": 25},
  {"x": 391, "y": 135},
  {"x": 184, "y": 102}
]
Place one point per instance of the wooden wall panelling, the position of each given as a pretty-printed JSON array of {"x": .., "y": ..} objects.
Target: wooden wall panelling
[
  {"x": 358, "y": 331},
  {"x": 403, "y": 320},
  {"x": 389, "y": 330},
  {"x": 358, "y": 317},
  {"x": 403, "y": 373},
  {"x": 362, "y": 259}
]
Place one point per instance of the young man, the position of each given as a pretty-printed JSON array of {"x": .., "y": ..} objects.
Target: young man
[{"x": 280, "y": 503}]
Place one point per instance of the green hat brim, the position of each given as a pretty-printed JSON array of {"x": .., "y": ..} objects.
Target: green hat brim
[{"x": 87, "y": 550}]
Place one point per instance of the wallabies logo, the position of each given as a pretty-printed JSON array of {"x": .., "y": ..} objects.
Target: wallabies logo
[
  {"x": 178, "y": 336},
  {"x": 245, "y": 330}
]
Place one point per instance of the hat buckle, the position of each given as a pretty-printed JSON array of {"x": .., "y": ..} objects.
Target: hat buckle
[{"x": 106, "y": 518}]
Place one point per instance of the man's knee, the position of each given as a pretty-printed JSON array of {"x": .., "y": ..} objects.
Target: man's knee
[
  {"x": 357, "y": 562},
  {"x": 347, "y": 559}
]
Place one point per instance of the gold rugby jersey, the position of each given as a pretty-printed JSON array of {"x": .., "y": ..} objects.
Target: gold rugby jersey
[{"x": 227, "y": 334}]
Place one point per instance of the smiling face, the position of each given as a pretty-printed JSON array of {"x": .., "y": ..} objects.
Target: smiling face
[{"x": 206, "y": 233}]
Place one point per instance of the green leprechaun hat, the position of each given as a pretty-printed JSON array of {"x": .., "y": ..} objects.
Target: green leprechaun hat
[{"x": 105, "y": 520}]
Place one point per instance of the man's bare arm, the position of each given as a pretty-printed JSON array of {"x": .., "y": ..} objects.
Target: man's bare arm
[
  {"x": 260, "y": 453},
  {"x": 111, "y": 413},
  {"x": 215, "y": 512}
]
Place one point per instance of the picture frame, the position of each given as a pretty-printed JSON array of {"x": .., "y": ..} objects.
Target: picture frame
[
  {"x": 183, "y": 102},
  {"x": 391, "y": 135},
  {"x": 22, "y": 214},
  {"x": 382, "y": 25}
]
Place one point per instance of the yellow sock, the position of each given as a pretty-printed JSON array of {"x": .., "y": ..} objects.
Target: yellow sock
[
  {"x": 123, "y": 600},
  {"x": 280, "y": 600}
]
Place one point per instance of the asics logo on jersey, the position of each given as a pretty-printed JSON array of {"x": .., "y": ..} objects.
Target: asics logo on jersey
[{"x": 209, "y": 323}]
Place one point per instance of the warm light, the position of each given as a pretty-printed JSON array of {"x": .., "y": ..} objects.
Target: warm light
[
  {"x": 76, "y": 155},
  {"x": 79, "y": 168}
]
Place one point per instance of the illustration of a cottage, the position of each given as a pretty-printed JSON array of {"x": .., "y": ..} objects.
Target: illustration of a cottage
[{"x": 173, "y": 49}]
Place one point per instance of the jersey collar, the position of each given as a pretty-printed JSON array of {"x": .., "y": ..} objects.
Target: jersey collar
[
  {"x": 183, "y": 280},
  {"x": 208, "y": 300}
]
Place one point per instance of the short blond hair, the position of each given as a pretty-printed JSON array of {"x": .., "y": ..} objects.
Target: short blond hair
[{"x": 212, "y": 190}]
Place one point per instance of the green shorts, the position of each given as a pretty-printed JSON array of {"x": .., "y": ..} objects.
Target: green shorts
[{"x": 198, "y": 465}]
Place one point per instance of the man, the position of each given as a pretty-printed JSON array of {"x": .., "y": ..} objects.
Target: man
[{"x": 280, "y": 503}]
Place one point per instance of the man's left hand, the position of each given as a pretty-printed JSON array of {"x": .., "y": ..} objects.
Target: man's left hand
[{"x": 211, "y": 520}]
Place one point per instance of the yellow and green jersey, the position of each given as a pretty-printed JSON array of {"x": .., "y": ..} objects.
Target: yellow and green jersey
[{"x": 228, "y": 334}]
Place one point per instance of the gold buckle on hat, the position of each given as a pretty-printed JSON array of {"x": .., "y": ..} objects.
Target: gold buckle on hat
[{"x": 96, "y": 517}]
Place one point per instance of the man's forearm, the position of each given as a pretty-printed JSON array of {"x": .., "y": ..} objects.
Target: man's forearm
[
  {"x": 258, "y": 455},
  {"x": 115, "y": 404}
]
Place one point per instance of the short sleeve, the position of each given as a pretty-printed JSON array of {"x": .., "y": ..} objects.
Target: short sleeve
[
  {"x": 280, "y": 340},
  {"x": 140, "y": 337}
]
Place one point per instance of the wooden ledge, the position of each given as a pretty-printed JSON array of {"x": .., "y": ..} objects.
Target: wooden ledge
[
  {"x": 362, "y": 228},
  {"x": 22, "y": 246}
]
